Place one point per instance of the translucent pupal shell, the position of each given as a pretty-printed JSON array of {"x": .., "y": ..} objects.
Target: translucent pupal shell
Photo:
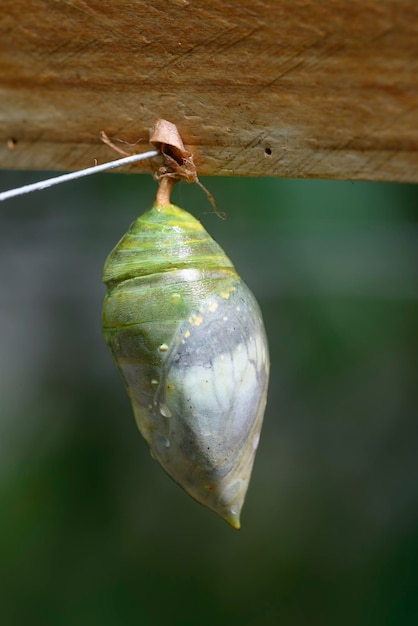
[{"x": 188, "y": 338}]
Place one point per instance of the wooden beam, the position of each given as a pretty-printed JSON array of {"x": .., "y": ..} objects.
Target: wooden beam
[{"x": 291, "y": 88}]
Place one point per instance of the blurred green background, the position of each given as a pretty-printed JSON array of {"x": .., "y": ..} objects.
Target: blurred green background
[{"x": 92, "y": 532}]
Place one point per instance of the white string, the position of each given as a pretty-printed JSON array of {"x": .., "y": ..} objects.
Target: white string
[{"x": 57, "y": 180}]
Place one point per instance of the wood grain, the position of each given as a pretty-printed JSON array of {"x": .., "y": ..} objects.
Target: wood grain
[{"x": 257, "y": 88}]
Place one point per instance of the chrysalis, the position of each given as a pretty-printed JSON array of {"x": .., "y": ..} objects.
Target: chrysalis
[{"x": 188, "y": 338}]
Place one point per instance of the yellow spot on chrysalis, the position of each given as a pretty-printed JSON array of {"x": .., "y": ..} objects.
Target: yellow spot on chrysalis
[
  {"x": 195, "y": 320},
  {"x": 175, "y": 297},
  {"x": 163, "y": 347},
  {"x": 187, "y": 334},
  {"x": 213, "y": 306},
  {"x": 226, "y": 294}
]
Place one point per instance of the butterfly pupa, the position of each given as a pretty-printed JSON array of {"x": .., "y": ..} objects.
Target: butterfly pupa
[{"x": 188, "y": 338}]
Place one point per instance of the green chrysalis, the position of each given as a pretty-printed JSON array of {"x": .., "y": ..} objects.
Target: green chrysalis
[{"x": 188, "y": 338}]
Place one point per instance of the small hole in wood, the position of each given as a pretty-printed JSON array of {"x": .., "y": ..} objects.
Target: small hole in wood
[
  {"x": 267, "y": 151},
  {"x": 12, "y": 143}
]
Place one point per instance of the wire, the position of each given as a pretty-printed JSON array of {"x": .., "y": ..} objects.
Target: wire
[{"x": 57, "y": 180}]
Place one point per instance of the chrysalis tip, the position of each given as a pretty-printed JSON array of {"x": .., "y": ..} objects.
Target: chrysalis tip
[{"x": 233, "y": 520}]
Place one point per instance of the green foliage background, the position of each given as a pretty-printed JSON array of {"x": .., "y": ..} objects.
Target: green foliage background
[{"x": 92, "y": 532}]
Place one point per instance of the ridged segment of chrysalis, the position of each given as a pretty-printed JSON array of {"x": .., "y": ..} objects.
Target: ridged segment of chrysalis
[{"x": 188, "y": 338}]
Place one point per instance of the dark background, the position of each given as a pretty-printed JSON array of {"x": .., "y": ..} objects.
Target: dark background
[{"x": 92, "y": 532}]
